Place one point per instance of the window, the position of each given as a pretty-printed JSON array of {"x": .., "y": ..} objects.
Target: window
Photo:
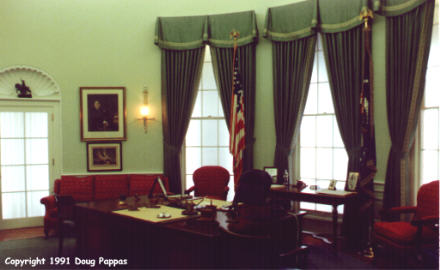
[
  {"x": 322, "y": 153},
  {"x": 207, "y": 138},
  {"x": 430, "y": 114},
  {"x": 24, "y": 145}
]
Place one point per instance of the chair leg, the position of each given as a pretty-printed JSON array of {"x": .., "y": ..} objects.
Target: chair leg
[{"x": 46, "y": 233}]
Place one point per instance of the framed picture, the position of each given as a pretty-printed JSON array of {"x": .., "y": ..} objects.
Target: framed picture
[
  {"x": 102, "y": 113},
  {"x": 273, "y": 172},
  {"x": 352, "y": 181},
  {"x": 332, "y": 185},
  {"x": 104, "y": 156}
]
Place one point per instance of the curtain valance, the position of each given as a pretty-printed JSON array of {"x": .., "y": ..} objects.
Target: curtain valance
[
  {"x": 398, "y": 7},
  {"x": 304, "y": 18},
  {"x": 341, "y": 15},
  {"x": 291, "y": 22},
  {"x": 183, "y": 33}
]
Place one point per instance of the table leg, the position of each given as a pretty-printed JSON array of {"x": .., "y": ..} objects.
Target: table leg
[{"x": 335, "y": 226}]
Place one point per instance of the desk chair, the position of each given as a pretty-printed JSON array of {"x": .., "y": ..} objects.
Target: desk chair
[
  {"x": 210, "y": 181},
  {"x": 421, "y": 233},
  {"x": 278, "y": 245},
  {"x": 66, "y": 223}
]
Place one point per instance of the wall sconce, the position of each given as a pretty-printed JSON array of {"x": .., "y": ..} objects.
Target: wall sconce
[{"x": 145, "y": 110}]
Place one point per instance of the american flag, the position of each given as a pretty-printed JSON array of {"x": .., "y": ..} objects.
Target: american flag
[{"x": 237, "y": 132}]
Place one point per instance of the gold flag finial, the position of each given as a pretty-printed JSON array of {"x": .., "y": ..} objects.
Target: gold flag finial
[{"x": 365, "y": 15}]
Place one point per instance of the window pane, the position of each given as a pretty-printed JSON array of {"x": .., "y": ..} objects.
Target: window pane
[
  {"x": 209, "y": 156},
  {"x": 210, "y": 132},
  {"x": 189, "y": 181},
  {"x": 340, "y": 164},
  {"x": 323, "y": 207},
  {"x": 197, "y": 111},
  {"x": 210, "y": 103},
  {"x": 312, "y": 100},
  {"x": 322, "y": 70},
  {"x": 193, "y": 159},
  {"x": 307, "y": 163},
  {"x": 324, "y": 161},
  {"x": 314, "y": 78},
  {"x": 12, "y": 178},
  {"x": 208, "y": 80},
  {"x": 325, "y": 102},
  {"x": 308, "y": 128},
  {"x": 37, "y": 177},
  {"x": 430, "y": 129},
  {"x": 193, "y": 134},
  {"x": 434, "y": 52},
  {"x": 13, "y": 205},
  {"x": 307, "y": 206},
  {"x": 223, "y": 134},
  {"x": 37, "y": 151},
  {"x": 324, "y": 131},
  {"x": 430, "y": 166},
  {"x": 12, "y": 151},
  {"x": 36, "y": 124},
  {"x": 337, "y": 140},
  {"x": 225, "y": 159},
  {"x": 432, "y": 93},
  {"x": 35, "y": 208},
  {"x": 11, "y": 125}
]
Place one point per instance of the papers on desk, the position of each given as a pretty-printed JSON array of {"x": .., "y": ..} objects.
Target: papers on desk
[
  {"x": 218, "y": 203},
  {"x": 153, "y": 214},
  {"x": 277, "y": 186},
  {"x": 341, "y": 193}
]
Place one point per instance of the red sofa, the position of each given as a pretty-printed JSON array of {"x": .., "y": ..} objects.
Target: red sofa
[{"x": 97, "y": 187}]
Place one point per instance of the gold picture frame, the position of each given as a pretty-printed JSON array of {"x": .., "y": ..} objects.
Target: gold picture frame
[
  {"x": 104, "y": 156},
  {"x": 103, "y": 114}
]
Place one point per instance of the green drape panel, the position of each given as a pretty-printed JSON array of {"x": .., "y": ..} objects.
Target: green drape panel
[
  {"x": 292, "y": 71},
  {"x": 408, "y": 39},
  {"x": 397, "y": 7},
  {"x": 181, "y": 72},
  {"x": 222, "y": 64},
  {"x": 291, "y": 22},
  {"x": 343, "y": 54}
]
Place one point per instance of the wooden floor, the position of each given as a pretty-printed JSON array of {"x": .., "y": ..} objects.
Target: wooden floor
[{"x": 22, "y": 233}]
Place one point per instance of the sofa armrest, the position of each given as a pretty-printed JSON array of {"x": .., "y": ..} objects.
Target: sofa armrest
[{"x": 386, "y": 213}]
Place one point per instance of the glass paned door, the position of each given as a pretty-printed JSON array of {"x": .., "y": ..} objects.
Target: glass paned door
[{"x": 24, "y": 164}]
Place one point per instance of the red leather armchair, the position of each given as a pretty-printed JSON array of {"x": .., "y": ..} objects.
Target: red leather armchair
[
  {"x": 409, "y": 238},
  {"x": 210, "y": 181}
]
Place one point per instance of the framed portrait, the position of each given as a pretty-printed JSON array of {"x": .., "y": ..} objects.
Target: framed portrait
[
  {"x": 352, "y": 181},
  {"x": 102, "y": 113},
  {"x": 104, "y": 156},
  {"x": 273, "y": 172}
]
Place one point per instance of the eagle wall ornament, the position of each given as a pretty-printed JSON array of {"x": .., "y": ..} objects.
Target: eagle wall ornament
[{"x": 23, "y": 91}]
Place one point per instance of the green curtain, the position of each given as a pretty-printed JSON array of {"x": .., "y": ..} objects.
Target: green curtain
[
  {"x": 341, "y": 24},
  {"x": 181, "y": 71},
  {"x": 292, "y": 71},
  {"x": 408, "y": 39},
  {"x": 221, "y": 44},
  {"x": 343, "y": 56},
  {"x": 182, "y": 40},
  {"x": 222, "y": 64},
  {"x": 291, "y": 28}
]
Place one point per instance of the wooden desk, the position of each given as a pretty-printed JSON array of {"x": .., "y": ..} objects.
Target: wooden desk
[
  {"x": 307, "y": 195},
  {"x": 184, "y": 243}
]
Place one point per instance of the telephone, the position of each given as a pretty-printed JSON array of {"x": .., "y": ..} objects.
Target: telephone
[{"x": 300, "y": 185}]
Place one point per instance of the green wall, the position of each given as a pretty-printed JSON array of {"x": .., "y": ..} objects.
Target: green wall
[{"x": 110, "y": 43}]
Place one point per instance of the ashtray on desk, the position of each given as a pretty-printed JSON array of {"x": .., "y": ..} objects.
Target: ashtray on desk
[{"x": 163, "y": 215}]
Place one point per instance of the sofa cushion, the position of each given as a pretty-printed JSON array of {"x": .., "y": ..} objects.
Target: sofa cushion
[
  {"x": 110, "y": 186},
  {"x": 141, "y": 184},
  {"x": 80, "y": 188}
]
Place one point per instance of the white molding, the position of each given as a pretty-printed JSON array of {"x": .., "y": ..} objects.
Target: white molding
[{"x": 42, "y": 85}]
